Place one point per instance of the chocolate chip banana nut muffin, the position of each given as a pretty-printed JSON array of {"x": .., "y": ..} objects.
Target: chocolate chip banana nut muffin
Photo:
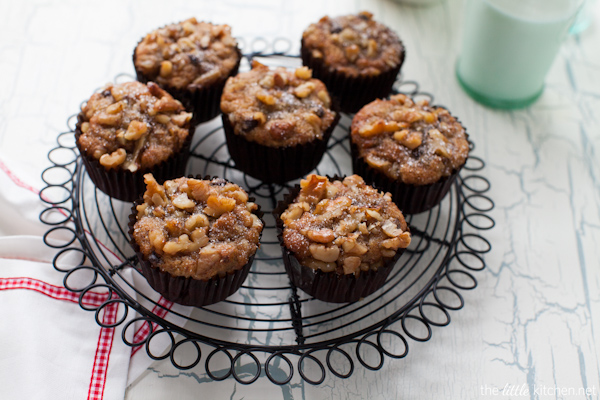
[
  {"x": 129, "y": 129},
  {"x": 277, "y": 122},
  {"x": 410, "y": 149},
  {"x": 340, "y": 237},
  {"x": 191, "y": 60},
  {"x": 195, "y": 238},
  {"x": 356, "y": 57}
]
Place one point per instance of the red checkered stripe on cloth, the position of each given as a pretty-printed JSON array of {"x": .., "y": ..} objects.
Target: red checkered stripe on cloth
[
  {"x": 105, "y": 341},
  {"x": 160, "y": 309},
  {"x": 92, "y": 299}
]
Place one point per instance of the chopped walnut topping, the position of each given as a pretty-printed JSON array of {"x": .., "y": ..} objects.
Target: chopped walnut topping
[
  {"x": 113, "y": 159},
  {"x": 354, "y": 44},
  {"x": 277, "y": 107},
  {"x": 122, "y": 128},
  {"x": 166, "y": 68},
  {"x": 189, "y": 53},
  {"x": 325, "y": 254},
  {"x": 218, "y": 205},
  {"x": 162, "y": 118},
  {"x": 266, "y": 98},
  {"x": 304, "y": 90},
  {"x": 351, "y": 264},
  {"x": 267, "y": 82},
  {"x": 280, "y": 79},
  {"x": 341, "y": 225},
  {"x": 135, "y": 130},
  {"x": 378, "y": 127},
  {"x": 438, "y": 143},
  {"x": 409, "y": 141},
  {"x": 303, "y": 73},
  {"x": 325, "y": 235},
  {"x": 173, "y": 227},
  {"x": 106, "y": 118},
  {"x": 115, "y": 108}
]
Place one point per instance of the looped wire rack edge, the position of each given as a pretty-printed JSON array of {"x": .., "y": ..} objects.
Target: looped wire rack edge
[{"x": 268, "y": 327}]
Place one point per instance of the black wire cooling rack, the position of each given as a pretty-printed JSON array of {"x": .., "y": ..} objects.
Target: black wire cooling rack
[{"x": 268, "y": 326}]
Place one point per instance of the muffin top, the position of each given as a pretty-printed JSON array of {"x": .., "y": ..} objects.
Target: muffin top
[
  {"x": 343, "y": 225},
  {"x": 410, "y": 142},
  {"x": 354, "y": 45},
  {"x": 189, "y": 54},
  {"x": 132, "y": 126},
  {"x": 196, "y": 228},
  {"x": 279, "y": 107}
]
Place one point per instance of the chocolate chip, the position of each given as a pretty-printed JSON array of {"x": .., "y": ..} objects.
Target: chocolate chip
[
  {"x": 196, "y": 60},
  {"x": 218, "y": 182},
  {"x": 249, "y": 124},
  {"x": 153, "y": 258},
  {"x": 106, "y": 93},
  {"x": 319, "y": 111},
  {"x": 335, "y": 27},
  {"x": 417, "y": 153}
]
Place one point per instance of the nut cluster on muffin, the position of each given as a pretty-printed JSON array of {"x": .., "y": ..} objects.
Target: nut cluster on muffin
[
  {"x": 196, "y": 228},
  {"x": 187, "y": 54},
  {"x": 132, "y": 126},
  {"x": 354, "y": 44},
  {"x": 343, "y": 226},
  {"x": 411, "y": 142},
  {"x": 277, "y": 107}
]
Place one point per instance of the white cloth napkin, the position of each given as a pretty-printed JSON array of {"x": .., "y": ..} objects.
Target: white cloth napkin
[{"x": 51, "y": 348}]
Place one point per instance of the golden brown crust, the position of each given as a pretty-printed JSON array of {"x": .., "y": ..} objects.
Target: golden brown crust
[
  {"x": 132, "y": 126},
  {"x": 188, "y": 54},
  {"x": 410, "y": 142},
  {"x": 343, "y": 225},
  {"x": 279, "y": 107},
  {"x": 355, "y": 45},
  {"x": 196, "y": 228}
]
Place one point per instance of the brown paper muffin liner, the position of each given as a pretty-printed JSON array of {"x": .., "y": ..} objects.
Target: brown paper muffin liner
[
  {"x": 329, "y": 286},
  {"x": 203, "y": 102},
  {"x": 410, "y": 199},
  {"x": 351, "y": 92},
  {"x": 126, "y": 185},
  {"x": 188, "y": 291},
  {"x": 275, "y": 164}
]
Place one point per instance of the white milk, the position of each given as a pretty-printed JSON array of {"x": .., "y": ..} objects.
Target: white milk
[{"x": 509, "y": 45}]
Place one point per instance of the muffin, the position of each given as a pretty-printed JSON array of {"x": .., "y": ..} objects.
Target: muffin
[
  {"x": 191, "y": 60},
  {"x": 356, "y": 57},
  {"x": 340, "y": 237},
  {"x": 277, "y": 122},
  {"x": 195, "y": 238},
  {"x": 412, "y": 150},
  {"x": 129, "y": 129}
]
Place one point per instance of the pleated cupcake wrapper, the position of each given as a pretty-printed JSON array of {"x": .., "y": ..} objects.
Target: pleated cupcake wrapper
[
  {"x": 189, "y": 291},
  {"x": 126, "y": 185},
  {"x": 329, "y": 286},
  {"x": 275, "y": 164},
  {"x": 203, "y": 102},
  {"x": 352, "y": 92},
  {"x": 193, "y": 292},
  {"x": 410, "y": 199}
]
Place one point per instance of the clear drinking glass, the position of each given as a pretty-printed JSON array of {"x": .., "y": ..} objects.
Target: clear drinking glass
[{"x": 509, "y": 46}]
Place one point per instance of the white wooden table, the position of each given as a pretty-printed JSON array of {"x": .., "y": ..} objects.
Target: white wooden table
[{"x": 531, "y": 329}]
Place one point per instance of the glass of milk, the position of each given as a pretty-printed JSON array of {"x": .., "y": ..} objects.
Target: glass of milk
[{"x": 509, "y": 46}]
